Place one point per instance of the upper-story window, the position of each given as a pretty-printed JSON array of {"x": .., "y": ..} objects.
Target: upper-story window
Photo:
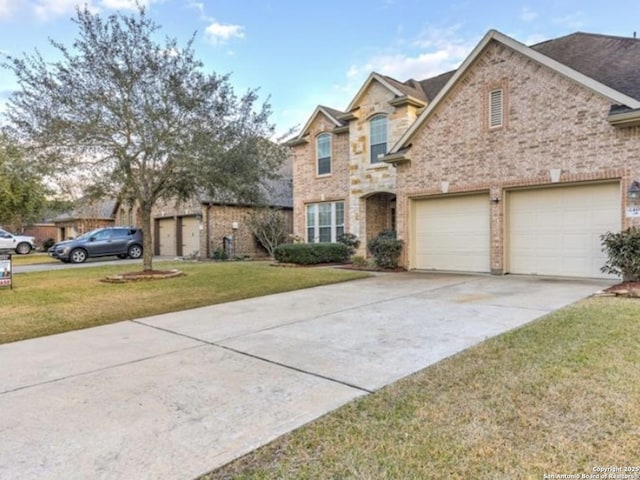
[
  {"x": 378, "y": 137},
  {"x": 496, "y": 108},
  {"x": 323, "y": 150}
]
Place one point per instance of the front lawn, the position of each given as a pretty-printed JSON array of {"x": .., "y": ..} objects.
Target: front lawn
[
  {"x": 32, "y": 259},
  {"x": 560, "y": 396},
  {"x": 43, "y": 303}
]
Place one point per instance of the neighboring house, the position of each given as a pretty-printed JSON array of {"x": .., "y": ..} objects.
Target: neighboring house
[
  {"x": 42, "y": 231},
  {"x": 88, "y": 215},
  {"x": 202, "y": 227},
  {"x": 516, "y": 162}
]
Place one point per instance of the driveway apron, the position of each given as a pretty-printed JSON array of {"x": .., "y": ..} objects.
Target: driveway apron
[{"x": 173, "y": 396}]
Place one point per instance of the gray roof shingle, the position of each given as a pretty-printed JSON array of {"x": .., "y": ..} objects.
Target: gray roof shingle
[{"x": 613, "y": 61}]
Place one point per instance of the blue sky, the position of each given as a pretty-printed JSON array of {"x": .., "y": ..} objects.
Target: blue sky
[{"x": 302, "y": 54}]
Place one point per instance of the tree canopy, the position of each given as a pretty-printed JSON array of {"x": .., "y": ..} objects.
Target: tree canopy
[
  {"x": 141, "y": 117},
  {"x": 22, "y": 194}
]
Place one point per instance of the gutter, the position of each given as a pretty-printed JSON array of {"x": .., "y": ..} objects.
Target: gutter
[{"x": 630, "y": 118}]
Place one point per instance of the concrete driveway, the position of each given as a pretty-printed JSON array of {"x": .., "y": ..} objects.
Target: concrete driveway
[{"x": 176, "y": 395}]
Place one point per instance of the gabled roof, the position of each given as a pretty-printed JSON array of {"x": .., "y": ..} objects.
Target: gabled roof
[
  {"x": 572, "y": 63},
  {"x": 331, "y": 113},
  {"x": 374, "y": 77},
  {"x": 89, "y": 208},
  {"x": 613, "y": 61}
]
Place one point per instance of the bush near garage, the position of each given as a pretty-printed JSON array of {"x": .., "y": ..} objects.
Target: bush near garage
[
  {"x": 312, "y": 253},
  {"x": 386, "y": 249},
  {"x": 623, "y": 252}
]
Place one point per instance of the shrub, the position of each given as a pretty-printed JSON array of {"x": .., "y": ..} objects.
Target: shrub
[
  {"x": 359, "y": 261},
  {"x": 351, "y": 241},
  {"x": 623, "y": 252},
  {"x": 312, "y": 253},
  {"x": 48, "y": 243},
  {"x": 386, "y": 249},
  {"x": 220, "y": 254},
  {"x": 269, "y": 226}
]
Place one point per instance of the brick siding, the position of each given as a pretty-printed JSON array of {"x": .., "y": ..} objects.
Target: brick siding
[{"x": 551, "y": 123}]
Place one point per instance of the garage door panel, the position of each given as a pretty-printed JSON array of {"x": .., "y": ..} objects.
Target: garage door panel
[
  {"x": 167, "y": 236},
  {"x": 452, "y": 233},
  {"x": 556, "y": 231},
  {"x": 190, "y": 236}
]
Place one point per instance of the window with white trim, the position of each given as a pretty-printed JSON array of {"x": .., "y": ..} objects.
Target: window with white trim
[
  {"x": 378, "y": 137},
  {"x": 323, "y": 152},
  {"x": 325, "y": 222},
  {"x": 496, "y": 108}
]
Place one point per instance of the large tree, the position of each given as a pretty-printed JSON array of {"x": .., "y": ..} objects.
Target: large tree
[
  {"x": 141, "y": 117},
  {"x": 22, "y": 193}
]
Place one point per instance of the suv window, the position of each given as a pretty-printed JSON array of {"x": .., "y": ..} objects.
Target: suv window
[{"x": 121, "y": 232}]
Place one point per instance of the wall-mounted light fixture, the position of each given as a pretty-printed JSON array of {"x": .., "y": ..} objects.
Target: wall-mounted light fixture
[
  {"x": 634, "y": 191},
  {"x": 495, "y": 200}
]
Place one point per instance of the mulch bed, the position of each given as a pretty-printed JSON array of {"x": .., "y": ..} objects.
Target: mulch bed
[
  {"x": 624, "y": 289},
  {"x": 143, "y": 275}
]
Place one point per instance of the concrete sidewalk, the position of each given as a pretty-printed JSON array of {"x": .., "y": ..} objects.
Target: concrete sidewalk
[{"x": 176, "y": 395}]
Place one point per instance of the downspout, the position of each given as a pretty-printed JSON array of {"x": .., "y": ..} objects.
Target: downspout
[{"x": 208, "y": 236}]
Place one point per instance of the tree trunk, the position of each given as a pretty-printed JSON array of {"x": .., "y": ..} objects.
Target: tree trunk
[{"x": 147, "y": 244}]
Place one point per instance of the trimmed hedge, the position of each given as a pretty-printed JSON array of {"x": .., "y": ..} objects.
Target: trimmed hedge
[{"x": 312, "y": 253}]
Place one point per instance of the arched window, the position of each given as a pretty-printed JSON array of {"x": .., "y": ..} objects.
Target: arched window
[
  {"x": 323, "y": 153},
  {"x": 378, "y": 137}
]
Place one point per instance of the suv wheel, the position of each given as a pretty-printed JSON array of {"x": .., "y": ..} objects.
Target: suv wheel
[
  {"x": 135, "y": 251},
  {"x": 78, "y": 255},
  {"x": 23, "y": 248}
]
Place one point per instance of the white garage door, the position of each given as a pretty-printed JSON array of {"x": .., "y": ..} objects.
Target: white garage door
[
  {"x": 167, "y": 236},
  {"x": 556, "y": 231},
  {"x": 190, "y": 236},
  {"x": 452, "y": 233}
]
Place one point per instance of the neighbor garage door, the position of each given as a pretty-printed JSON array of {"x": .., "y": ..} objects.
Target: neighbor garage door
[
  {"x": 190, "y": 236},
  {"x": 167, "y": 236},
  {"x": 556, "y": 231},
  {"x": 452, "y": 233}
]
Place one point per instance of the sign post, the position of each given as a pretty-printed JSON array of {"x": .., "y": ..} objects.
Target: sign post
[{"x": 5, "y": 270}]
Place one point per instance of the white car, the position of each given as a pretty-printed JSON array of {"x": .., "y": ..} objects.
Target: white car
[{"x": 19, "y": 243}]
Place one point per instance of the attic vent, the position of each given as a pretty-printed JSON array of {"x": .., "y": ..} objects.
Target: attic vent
[{"x": 495, "y": 108}]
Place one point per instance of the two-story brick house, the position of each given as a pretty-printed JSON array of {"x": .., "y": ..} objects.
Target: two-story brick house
[
  {"x": 341, "y": 183},
  {"x": 516, "y": 162}
]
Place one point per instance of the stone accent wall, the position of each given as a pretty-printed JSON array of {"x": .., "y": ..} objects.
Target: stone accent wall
[
  {"x": 353, "y": 179},
  {"x": 551, "y": 123}
]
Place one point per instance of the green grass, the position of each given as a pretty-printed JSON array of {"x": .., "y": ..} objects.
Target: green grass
[
  {"x": 43, "y": 303},
  {"x": 32, "y": 259},
  {"x": 558, "y": 396}
]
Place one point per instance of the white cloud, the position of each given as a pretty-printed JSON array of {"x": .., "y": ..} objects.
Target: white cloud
[
  {"x": 528, "y": 15},
  {"x": 124, "y": 4},
  {"x": 439, "y": 50},
  {"x": 8, "y": 7},
  {"x": 219, "y": 33},
  {"x": 574, "y": 20},
  {"x": 46, "y": 10}
]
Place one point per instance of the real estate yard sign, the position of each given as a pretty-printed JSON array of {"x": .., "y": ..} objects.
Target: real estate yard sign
[{"x": 5, "y": 270}]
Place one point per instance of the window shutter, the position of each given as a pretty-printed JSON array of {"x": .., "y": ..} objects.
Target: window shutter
[{"x": 495, "y": 108}]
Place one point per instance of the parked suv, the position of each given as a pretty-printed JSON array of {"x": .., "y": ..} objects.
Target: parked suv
[
  {"x": 19, "y": 243},
  {"x": 121, "y": 241}
]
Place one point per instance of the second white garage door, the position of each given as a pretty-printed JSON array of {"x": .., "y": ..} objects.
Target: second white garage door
[
  {"x": 452, "y": 233},
  {"x": 167, "y": 236},
  {"x": 556, "y": 231},
  {"x": 190, "y": 236}
]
